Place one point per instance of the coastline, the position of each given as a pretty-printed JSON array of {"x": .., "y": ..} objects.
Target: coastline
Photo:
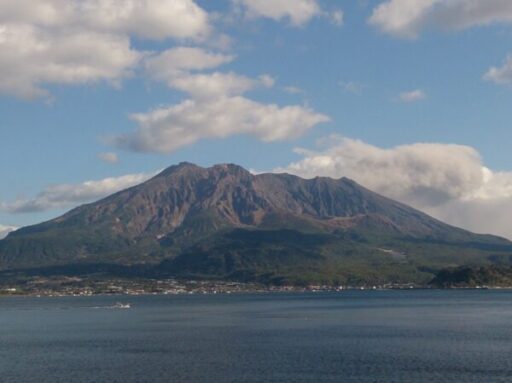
[{"x": 73, "y": 286}]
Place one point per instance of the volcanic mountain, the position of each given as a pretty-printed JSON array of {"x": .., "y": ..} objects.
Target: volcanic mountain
[{"x": 224, "y": 222}]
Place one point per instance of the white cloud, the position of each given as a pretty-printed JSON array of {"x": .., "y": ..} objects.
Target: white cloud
[
  {"x": 69, "y": 195},
  {"x": 336, "y": 17},
  {"x": 5, "y": 229},
  {"x": 352, "y": 87},
  {"x": 213, "y": 85},
  {"x": 31, "y": 57},
  {"x": 147, "y": 19},
  {"x": 216, "y": 107},
  {"x": 412, "y": 96},
  {"x": 293, "y": 90},
  {"x": 298, "y": 12},
  {"x": 167, "y": 65},
  {"x": 501, "y": 75},
  {"x": 109, "y": 157},
  {"x": 407, "y": 18},
  {"x": 176, "y": 68},
  {"x": 73, "y": 42},
  {"x": 402, "y": 18},
  {"x": 142, "y": 18},
  {"x": 449, "y": 182},
  {"x": 267, "y": 80},
  {"x": 479, "y": 215},
  {"x": 169, "y": 128}
]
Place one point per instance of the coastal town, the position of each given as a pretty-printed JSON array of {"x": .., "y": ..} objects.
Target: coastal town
[{"x": 78, "y": 286}]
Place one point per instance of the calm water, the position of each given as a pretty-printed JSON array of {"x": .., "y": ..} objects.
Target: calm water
[{"x": 378, "y": 336}]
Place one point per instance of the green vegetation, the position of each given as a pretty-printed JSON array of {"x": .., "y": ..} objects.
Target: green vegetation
[
  {"x": 464, "y": 276},
  {"x": 223, "y": 223}
]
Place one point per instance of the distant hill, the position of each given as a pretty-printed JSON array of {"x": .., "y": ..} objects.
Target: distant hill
[
  {"x": 483, "y": 276},
  {"x": 224, "y": 222}
]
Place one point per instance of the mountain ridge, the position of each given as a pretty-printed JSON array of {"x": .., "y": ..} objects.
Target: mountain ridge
[{"x": 189, "y": 218}]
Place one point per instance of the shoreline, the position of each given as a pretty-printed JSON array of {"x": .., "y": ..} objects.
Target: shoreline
[
  {"x": 273, "y": 290},
  {"x": 103, "y": 285}
]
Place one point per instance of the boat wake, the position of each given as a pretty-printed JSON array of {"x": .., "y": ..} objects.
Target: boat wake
[{"x": 117, "y": 305}]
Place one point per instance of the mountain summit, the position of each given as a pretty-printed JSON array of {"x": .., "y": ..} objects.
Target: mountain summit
[{"x": 224, "y": 222}]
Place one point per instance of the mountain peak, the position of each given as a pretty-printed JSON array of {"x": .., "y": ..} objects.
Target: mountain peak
[
  {"x": 186, "y": 169},
  {"x": 182, "y": 166},
  {"x": 263, "y": 218},
  {"x": 229, "y": 166}
]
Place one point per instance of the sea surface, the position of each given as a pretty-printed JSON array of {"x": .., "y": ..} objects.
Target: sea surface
[{"x": 350, "y": 336}]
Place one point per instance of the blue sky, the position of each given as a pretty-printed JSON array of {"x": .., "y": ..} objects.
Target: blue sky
[{"x": 400, "y": 95}]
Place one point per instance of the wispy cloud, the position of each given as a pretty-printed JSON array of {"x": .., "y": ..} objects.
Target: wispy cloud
[
  {"x": 353, "y": 87},
  {"x": 336, "y": 16},
  {"x": 70, "y": 195},
  {"x": 501, "y": 75},
  {"x": 412, "y": 96},
  {"x": 109, "y": 157},
  {"x": 293, "y": 90}
]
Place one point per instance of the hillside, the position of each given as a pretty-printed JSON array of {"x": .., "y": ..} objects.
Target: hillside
[{"x": 224, "y": 222}]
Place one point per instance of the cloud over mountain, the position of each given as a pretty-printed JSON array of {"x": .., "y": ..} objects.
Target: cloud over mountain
[
  {"x": 448, "y": 181},
  {"x": 4, "y": 230},
  {"x": 69, "y": 195}
]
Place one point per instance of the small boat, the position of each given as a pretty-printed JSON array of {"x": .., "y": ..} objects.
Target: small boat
[{"x": 120, "y": 305}]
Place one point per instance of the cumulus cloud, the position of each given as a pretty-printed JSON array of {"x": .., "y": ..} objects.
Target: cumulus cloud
[
  {"x": 147, "y": 19},
  {"x": 167, "y": 129},
  {"x": 31, "y": 57},
  {"x": 412, "y": 96},
  {"x": 401, "y": 18},
  {"x": 109, "y": 157},
  {"x": 75, "y": 42},
  {"x": 407, "y": 18},
  {"x": 479, "y": 215},
  {"x": 69, "y": 195},
  {"x": 501, "y": 75},
  {"x": 298, "y": 12},
  {"x": 5, "y": 229},
  {"x": 449, "y": 182},
  {"x": 215, "y": 108},
  {"x": 178, "y": 68}
]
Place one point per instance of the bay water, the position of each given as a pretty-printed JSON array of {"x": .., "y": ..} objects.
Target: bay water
[{"x": 349, "y": 336}]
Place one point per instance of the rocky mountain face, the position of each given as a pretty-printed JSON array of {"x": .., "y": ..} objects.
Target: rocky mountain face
[{"x": 225, "y": 222}]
